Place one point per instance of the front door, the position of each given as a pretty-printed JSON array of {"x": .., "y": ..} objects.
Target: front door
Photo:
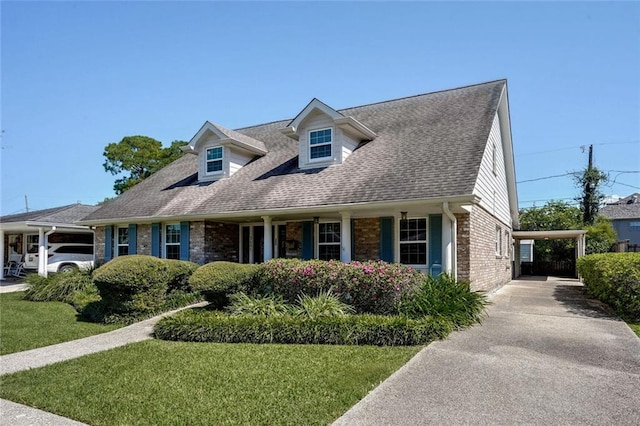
[{"x": 253, "y": 243}]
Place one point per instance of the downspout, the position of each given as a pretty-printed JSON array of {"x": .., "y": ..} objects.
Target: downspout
[
  {"x": 454, "y": 236},
  {"x": 45, "y": 262}
]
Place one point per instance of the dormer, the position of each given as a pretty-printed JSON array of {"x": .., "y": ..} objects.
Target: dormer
[
  {"x": 222, "y": 152},
  {"x": 325, "y": 136}
]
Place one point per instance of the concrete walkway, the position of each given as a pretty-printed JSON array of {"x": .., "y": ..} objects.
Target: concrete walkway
[
  {"x": 22, "y": 415},
  {"x": 545, "y": 355}
]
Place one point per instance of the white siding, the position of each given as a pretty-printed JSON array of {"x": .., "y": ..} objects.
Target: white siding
[
  {"x": 341, "y": 147},
  {"x": 491, "y": 185},
  {"x": 237, "y": 160}
]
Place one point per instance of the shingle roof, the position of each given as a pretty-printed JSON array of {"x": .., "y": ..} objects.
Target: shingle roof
[
  {"x": 69, "y": 214},
  {"x": 427, "y": 146},
  {"x": 623, "y": 209}
]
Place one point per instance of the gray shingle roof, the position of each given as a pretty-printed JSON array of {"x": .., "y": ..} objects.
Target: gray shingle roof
[
  {"x": 623, "y": 209},
  {"x": 69, "y": 214},
  {"x": 427, "y": 146}
]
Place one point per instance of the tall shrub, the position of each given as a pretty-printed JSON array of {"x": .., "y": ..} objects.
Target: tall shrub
[
  {"x": 132, "y": 285},
  {"x": 614, "y": 278},
  {"x": 218, "y": 280}
]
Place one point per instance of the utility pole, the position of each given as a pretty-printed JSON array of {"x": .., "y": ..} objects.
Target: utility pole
[
  {"x": 26, "y": 204},
  {"x": 587, "y": 202}
]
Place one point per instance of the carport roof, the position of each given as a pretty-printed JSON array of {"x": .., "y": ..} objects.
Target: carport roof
[{"x": 548, "y": 235}]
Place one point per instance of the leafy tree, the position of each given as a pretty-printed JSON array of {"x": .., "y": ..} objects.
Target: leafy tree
[
  {"x": 600, "y": 236},
  {"x": 554, "y": 215},
  {"x": 589, "y": 181},
  {"x": 140, "y": 156}
]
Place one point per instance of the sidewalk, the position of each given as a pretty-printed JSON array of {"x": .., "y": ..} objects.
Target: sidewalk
[{"x": 546, "y": 354}]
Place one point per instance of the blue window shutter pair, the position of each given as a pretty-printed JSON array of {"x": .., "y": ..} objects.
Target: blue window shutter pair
[
  {"x": 386, "y": 239},
  {"x": 155, "y": 239},
  {"x": 307, "y": 240},
  {"x": 133, "y": 238},
  {"x": 108, "y": 243},
  {"x": 184, "y": 240}
]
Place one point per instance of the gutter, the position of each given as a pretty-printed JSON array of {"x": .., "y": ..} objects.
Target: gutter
[{"x": 454, "y": 237}]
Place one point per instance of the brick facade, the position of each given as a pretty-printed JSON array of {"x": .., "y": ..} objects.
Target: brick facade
[
  {"x": 98, "y": 245},
  {"x": 463, "y": 231},
  {"x": 487, "y": 270},
  {"x": 221, "y": 242},
  {"x": 197, "y": 251},
  {"x": 366, "y": 235},
  {"x": 143, "y": 243}
]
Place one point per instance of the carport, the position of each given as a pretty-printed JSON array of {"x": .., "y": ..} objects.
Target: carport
[{"x": 576, "y": 234}]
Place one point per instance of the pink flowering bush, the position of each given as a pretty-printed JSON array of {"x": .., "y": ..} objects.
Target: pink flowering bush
[{"x": 373, "y": 287}]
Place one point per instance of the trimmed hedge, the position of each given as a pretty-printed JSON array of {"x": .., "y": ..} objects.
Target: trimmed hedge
[
  {"x": 207, "y": 326},
  {"x": 373, "y": 287},
  {"x": 132, "y": 285},
  {"x": 216, "y": 281},
  {"x": 614, "y": 278},
  {"x": 179, "y": 273}
]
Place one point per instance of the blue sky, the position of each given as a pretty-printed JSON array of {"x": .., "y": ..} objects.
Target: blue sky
[{"x": 79, "y": 75}]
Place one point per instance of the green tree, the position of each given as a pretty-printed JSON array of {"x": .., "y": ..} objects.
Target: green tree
[
  {"x": 600, "y": 236},
  {"x": 589, "y": 181},
  {"x": 140, "y": 157},
  {"x": 554, "y": 215}
]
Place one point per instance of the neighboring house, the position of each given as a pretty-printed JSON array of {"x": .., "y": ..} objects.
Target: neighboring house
[
  {"x": 625, "y": 218},
  {"x": 426, "y": 181},
  {"x": 27, "y": 237}
]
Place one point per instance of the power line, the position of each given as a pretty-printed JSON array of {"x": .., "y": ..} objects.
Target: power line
[
  {"x": 626, "y": 184},
  {"x": 578, "y": 146},
  {"x": 546, "y": 177}
]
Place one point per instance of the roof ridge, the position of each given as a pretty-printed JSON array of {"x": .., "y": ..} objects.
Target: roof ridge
[{"x": 379, "y": 102}]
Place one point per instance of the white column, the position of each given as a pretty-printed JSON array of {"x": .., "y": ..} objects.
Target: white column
[
  {"x": 268, "y": 238},
  {"x": 447, "y": 260},
  {"x": 42, "y": 255},
  {"x": 2, "y": 254},
  {"x": 345, "y": 237}
]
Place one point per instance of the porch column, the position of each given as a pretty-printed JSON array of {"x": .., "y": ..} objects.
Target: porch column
[
  {"x": 268, "y": 238},
  {"x": 345, "y": 237},
  {"x": 446, "y": 245},
  {"x": 42, "y": 253},
  {"x": 251, "y": 243},
  {"x": 2, "y": 253}
]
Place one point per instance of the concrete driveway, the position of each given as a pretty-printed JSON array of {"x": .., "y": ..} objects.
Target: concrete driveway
[{"x": 547, "y": 354}]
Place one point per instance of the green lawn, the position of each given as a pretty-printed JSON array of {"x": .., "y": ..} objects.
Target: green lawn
[
  {"x": 635, "y": 327},
  {"x": 168, "y": 383},
  {"x": 26, "y": 325}
]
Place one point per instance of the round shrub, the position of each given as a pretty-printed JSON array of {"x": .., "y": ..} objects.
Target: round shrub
[
  {"x": 179, "y": 273},
  {"x": 218, "y": 280},
  {"x": 373, "y": 287},
  {"x": 132, "y": 285}
]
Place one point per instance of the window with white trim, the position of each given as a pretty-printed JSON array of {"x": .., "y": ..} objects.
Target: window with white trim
[
  {"x": 329, "y": 241},
  {"x": 172, "y": 241},
  {"x": 413, "y": 241},
  {"x": 498, "y": 241},
  {"x": 122, "y": 241},
  {"x": 320, "y": 144},
  {"x": 214, "y": 160}
]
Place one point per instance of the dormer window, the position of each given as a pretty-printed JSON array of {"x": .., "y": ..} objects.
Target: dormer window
[
  {"x": 320, "y": 144},
  {"x": 214, "y": 160}
]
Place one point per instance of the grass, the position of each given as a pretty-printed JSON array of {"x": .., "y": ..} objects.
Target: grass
[
  {"x": 27, "y": 325},
  {"x": 166, "y": 383},
  {"x": 635, "y": 326}
]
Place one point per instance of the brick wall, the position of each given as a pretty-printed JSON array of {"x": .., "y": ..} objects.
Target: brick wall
[
  {"x": 463, "y": 231},
  {"x": 221, "y": 242},
  {"x": 197, "y": 252},
  {"x": 98, "y": 244},
  {"x": 488, "y": 271},
  {"x": 143, "y": 243},
  {"x": 367, "y": 239},
  {"x": 294, "y": 233}
]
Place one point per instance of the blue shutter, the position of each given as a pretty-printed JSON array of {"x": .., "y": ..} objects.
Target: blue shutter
[
  {"x": 307, "y": 240},
  {"x": 184, "y": 240},
  {"x": 155, "y": 239},
  {"x": 435, "y": 244},
  {"x": 386, "y": 239},
  {"x": 108, "y": 243},
  {"x": 353, "y": 240},
  {"x": 133, "y": 238}
]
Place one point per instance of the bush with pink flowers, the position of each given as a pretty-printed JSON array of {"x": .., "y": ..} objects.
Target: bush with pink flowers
[{"x": 373, "y": 287}]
